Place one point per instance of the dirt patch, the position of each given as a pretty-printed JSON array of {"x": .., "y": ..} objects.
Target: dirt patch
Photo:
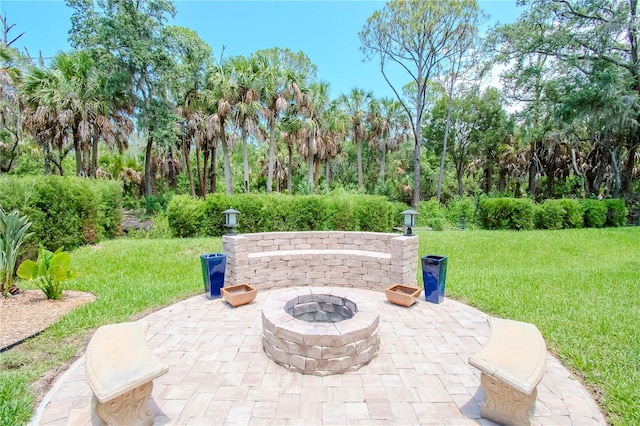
[{"x": 29, "y": 312}]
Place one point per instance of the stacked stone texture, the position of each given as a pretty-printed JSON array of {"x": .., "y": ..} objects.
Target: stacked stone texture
[
  {"x": 319, "y": 348},
  {"x": 348, "y": 259}
]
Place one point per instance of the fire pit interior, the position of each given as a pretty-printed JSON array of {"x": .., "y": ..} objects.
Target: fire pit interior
[
  {"x": 320, "y": 332},
  {"x": 321, "y": 308}
]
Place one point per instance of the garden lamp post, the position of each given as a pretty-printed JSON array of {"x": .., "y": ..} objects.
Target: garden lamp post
[
  {"x": 230, "y": 220},
  {"x": 409, "y": 220}
]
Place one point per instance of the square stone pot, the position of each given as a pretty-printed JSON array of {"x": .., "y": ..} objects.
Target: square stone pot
[
  {"x": 239, "y": 294},
  {"x": 403, "y": 295}
]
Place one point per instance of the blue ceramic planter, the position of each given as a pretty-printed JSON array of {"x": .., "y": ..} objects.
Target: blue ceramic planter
[
  {"x": 213, "y": 267},
  {"x": 434, "y": 277}
]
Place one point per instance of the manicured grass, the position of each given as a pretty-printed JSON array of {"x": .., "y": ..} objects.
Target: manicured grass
[
  {"x": 128, "y": 277},
  {"x": 580, "y": 287}
]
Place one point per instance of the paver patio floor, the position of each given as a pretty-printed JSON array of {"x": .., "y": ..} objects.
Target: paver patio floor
[{"x": 219, "y": 373}]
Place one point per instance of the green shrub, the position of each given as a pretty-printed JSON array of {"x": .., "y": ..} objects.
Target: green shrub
[
  {"x": 549, "y": 215},
  {"x": 186, "y": 216},
  {"x": 428, "y": 210},
  {"x": 277, "y": 212},
  {"x": 595, "y": 213},
  {"x": 506, "y": 213},
  {"x": 436, "y": 223},
  {"x": 109, "y": 196},
  {"x": 461, "y": 212},
  {"x": 341, "y": 214},
  {"x": 374, "y": 214},
  {"x": 153, "y": 204},
  {"x": 308, "y": 213},
  {"x": 65, "y": 211},
  {"x": 574, "y": 212},
  {"x": 616, "y": 212}
]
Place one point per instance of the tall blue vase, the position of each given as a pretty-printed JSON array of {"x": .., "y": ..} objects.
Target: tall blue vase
[
  {"x": 213, "y": 267},
  {"x": 434, "y": 277}
]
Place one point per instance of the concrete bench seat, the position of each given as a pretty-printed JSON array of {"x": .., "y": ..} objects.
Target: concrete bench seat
[
  {"x": 120, "y": 370},
  {"x": 311, "y": 253},
  {"x": 512, "y": 363}
]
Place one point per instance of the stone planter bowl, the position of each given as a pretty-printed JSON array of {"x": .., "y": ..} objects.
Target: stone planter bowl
[
  {"x": 402, "y": 295},
  {"x": 239, "y": 294}
]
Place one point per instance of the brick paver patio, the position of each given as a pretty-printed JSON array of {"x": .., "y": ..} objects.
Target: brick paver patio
[{"x": 219, "y": 373}]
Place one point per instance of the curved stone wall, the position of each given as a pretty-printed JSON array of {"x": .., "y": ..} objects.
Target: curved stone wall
[{"x": 334, "y": 258}]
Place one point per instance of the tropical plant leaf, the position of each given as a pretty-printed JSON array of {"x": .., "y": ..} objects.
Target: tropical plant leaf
[{"x": 28, "y": 270}]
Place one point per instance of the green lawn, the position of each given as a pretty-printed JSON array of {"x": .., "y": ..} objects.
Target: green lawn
[{"x": 580, "y": 287}]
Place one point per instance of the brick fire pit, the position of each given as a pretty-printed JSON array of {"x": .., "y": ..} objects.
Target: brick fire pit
[{"x": 320, "y": 331}]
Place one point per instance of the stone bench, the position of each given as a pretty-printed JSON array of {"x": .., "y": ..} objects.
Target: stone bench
[
  {"x": 120, "y": 369},
  {"x": 321, "y": 258},
  {"x": 512, "y": 363}
]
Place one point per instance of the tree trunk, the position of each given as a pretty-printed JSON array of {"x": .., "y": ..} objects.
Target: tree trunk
[
  {"x": 77, "y": 150},
  {"x": 290, "y": 169},
  {"x": 212, "y": 170},
  {"x": 615, "y": 189},
  {"x": 198, "y": 168},
  {"x": 533, "y": 171},
  {"x": 93, "y": 165},
  {"x": 47, "y": 157},
  {"x": 444, "y": 144},
  {"x": 185, "y": 154},
  {"x": 627, "y": 171},
  {"x": 416, "y": 170},
  {"x": 488, "y": 179},
  {"x": 310, "y": 161},
  {"x": 205, "y": 165},
  {"x": 245, "y": 160},
  {"x": 227, "y": 161},
  {"x": 272, "y": 148},
  {"x": 148, "y": 176},
  {"x": 327, "y": 173},
  {"x": 316, "y": 174},
  {"x": 383, "y": 163},
  {"x": 359, "y": 150},
  {"x": 172, "y": 169},
  {"x": 459, "y": 173},
  {"x": 502, "y": 181},
  {"x": 86, "y": 155}
]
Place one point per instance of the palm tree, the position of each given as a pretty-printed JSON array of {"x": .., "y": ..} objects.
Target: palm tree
[
  {"x": 10, "y": 108},
  {"x": 292, "y": 133},
  {"x": 219, "y": 95},
  {"x": 247, "y": 105},
  {"x": 71, "y": 99},
  {"x": 277, "y": 87},
  {"x": 356, "y": 104},
  {"x": 334, "y": 129},
  {"x": 389, "y": 127}
]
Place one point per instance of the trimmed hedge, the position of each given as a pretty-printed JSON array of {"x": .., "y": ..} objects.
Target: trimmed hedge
[
  {"x": 595, "y": 213},
  {"x": 506, "y": 213},
  {"x": 616, "y": 212},
  {"x": 559, "y": 214},
  {"x": 511, "y": 213},
  {"x": 64, "y": 211},
  {"x": 278, "y": 212}
]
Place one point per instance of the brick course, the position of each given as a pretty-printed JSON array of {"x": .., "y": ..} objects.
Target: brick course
[{"x": 366, "y": 260}]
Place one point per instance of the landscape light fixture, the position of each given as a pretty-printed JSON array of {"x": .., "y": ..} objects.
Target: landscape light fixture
[
  {"x": 409, "y": 221},
  {"x": 230, "y": 220}
]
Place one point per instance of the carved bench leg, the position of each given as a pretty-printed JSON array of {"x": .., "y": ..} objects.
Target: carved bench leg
[
  {"x": 506, "y": 405},
  {"x": 127, "y": 409}
]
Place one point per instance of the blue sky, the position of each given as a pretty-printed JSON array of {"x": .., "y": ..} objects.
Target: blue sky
[{"x": 327, "y": 31}]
